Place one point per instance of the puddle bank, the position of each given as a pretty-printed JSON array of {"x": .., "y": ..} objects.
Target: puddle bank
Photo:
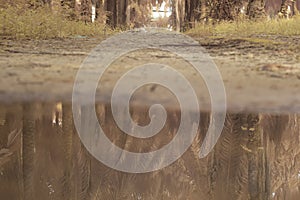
[{"x": 42, "y": 157}]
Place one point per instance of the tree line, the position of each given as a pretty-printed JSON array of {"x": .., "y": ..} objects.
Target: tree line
[{"x": 185, "y": 12}]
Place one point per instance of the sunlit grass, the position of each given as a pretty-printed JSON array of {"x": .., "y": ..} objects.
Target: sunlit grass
[
  {"x": 247, "y": 28},
  {"x": 42, "y": 23}
]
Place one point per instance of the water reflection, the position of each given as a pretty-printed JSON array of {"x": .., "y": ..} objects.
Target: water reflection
[{"x": 41, "y": 157}]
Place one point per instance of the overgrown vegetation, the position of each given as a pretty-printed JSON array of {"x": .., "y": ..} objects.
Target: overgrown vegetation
[
  {"x": 43, "y": 23},
  {"x": 247, "y": 28},
  {"x": 42, "y": 19}
]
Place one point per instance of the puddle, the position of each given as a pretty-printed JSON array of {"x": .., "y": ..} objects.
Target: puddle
[{"x": 42, "y": 157}]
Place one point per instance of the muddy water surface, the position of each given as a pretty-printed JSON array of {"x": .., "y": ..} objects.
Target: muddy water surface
[{"x": 41, "y": 157}]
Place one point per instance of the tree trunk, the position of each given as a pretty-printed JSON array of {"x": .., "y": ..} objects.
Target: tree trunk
[
  {"x": 112, "y": 17},
  {"x": 93, "y": 14},
  {"x": 128, "y": 12},
  {"x": 122, "y": 8},
  {"x": 86, "y": 10},
  {"x": 256, "y": 9},
  {"x": 180, "y": 14},
  {"x": 296, "y": 11},
  {"x": 288, "y": 8},
  {"x": 77, "y": 8},
  {"x": 203, "y": 10}
]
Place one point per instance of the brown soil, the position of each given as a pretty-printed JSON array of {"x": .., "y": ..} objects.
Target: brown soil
[{"x": 260, "y": 73}]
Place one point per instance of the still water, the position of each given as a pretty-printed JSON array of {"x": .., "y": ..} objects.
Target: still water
[{"x": 42, "y": 157}]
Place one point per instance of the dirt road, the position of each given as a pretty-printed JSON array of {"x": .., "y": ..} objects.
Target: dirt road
[{"x": 260, "y": 73}]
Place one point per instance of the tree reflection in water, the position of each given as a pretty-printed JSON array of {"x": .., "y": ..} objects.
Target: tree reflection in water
[{"x": 41, "y": 157}]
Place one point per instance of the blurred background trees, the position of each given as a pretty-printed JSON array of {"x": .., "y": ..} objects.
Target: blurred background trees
[{"x": 137, "y": 13}]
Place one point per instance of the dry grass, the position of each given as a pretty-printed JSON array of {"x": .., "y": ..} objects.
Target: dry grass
[
  {"x": 246, "y": 28},
  {"x": 42, "y": 23}
]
